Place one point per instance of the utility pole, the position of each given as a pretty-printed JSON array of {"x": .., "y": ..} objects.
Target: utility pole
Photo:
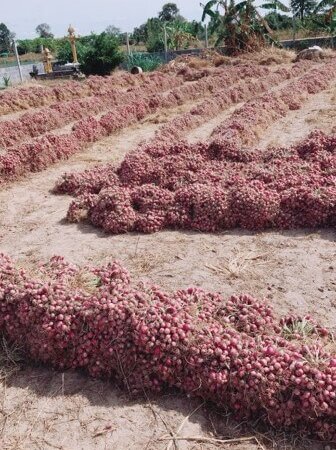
[
  {"x": 294, "y": 28},
  {"x": 128, "y": 44},
  {"x": 165, "y": 43},
  {"x": 18, "y": 60}
]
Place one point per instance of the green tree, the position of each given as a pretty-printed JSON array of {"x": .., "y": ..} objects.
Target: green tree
[
  {"x": 302, "y": 8},
  {"x": 325, "y": 16},
  {"x": 6, "y": 37},
  {"x": 44, "y": 30},
  {"x": 196, "y": 29},
  {"x": 140, "y": 34},
  {"x": 114, "y": 31},
  {"x": 275, "y": 6},
  {"x": 64, "y": 52},
  {"x": 328, "y": 6},
  {"x": 49, "y": 42},
  {"x": 155, "y": 35},
  {"x": 169, "y": 12},
  {"x": 180, "y": 35},
  {"x": 34, "y": 45},
  {"x": 239, "y": 25},
  {"x": 328, "y": 9},
  {"x": 279, "y": 21},
  {"x": 102, "y": 55},
  {"x": 25, "y": 46}
]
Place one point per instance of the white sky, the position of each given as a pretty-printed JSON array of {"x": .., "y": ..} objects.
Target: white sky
[{"x": 22, "y": 16}]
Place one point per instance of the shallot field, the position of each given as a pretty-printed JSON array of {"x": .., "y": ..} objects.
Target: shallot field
[{"x": 167, "y": 258}]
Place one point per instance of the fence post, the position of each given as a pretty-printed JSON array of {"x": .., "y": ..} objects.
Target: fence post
[
  {"x": 128, "y": 44},
  {"x": 165, "y": 43},
  {"x": 18, "y": 60},
  {"x": 206, "y": 36},
  {"x": 294, "y": 28}
]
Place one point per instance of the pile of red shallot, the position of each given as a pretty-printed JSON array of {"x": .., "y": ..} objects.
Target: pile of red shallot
[
  {"x": 240, "y": 92},
  {"x": 131, "y": 107},
  {"x": 36, "y": 122},
  {"x": 39, "y": 96},
  {"x": 209, "y": 187},
  {"x": 126, "y": 108},
  {"x": 233, "y": 352}
]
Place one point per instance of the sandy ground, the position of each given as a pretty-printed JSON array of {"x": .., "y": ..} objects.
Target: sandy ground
[
  {"x": 319, "y": 112},
  {"x": 43, "y": 409}
]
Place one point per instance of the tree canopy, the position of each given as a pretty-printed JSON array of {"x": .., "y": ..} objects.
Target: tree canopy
[
  {"x": 303, "y": 8},
  {"x": 44, "y": 30},
  {"x": 6, "y": 37},
  {"x": 113, "y": 30},
  {"x": 140, "y": 34},
  {"x": 169, "y": 12},
  {"x": 101, "y": 55},
  {"x": 240, "y": 25}
]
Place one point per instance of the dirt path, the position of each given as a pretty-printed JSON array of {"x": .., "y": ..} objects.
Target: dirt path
[
  {"x": 48, "y": 410},
  {"x": 319, "y": 112},
  {"x": 204, "y": 132},
  {"x": 43, "y": 409}
]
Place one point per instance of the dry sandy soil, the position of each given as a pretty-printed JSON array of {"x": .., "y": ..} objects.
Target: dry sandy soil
[{"x": 44, "y": 409}]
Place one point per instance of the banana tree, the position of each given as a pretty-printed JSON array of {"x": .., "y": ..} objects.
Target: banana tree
[
  {"x": 239, "y": 25},
  {"x": 275, "y": 6},
  {"x": 179, "y": 35},
  {"x": 332, "y": 23},
  {"x": 328, "y": 8},
  {"x": 325, "y": 16}
]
